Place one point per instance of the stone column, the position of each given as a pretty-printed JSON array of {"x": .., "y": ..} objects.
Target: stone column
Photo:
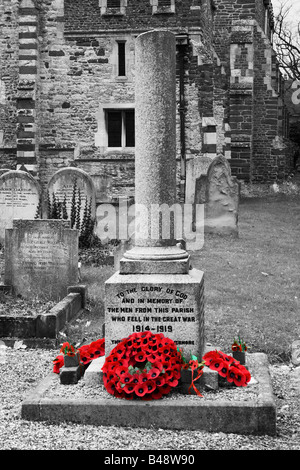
[
  {"x": 155, "y": 158},
  {"x": 155, "y": 290}
]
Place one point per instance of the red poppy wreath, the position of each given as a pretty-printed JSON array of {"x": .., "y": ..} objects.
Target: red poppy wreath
[{"x": 143, "y": 365}]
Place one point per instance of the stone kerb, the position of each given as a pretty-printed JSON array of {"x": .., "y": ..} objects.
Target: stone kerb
[
  {"x": 69, "y": 183},
  {"x": 41, "y": 258},
  {"x": 220, "y": 193},
  {"x": 19, "y": 198}
]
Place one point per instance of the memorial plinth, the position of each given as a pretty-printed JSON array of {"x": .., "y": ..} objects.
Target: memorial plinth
[{"x": 155, "y": 289}]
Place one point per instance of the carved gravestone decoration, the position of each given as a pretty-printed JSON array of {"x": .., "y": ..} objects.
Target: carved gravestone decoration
[{"x": 221, "y": 198}]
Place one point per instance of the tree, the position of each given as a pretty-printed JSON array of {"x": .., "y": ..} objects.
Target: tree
[{"x": 286, "y": 41}]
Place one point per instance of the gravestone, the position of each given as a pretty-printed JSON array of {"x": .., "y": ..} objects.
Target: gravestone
[
  {"x": 220, "y": 192},
  {"x": 19, "y": 198},
  {"x": 155, "y": 289},
  {"x": 41, "y": 258},
  {"x": 72, "y": 184}
]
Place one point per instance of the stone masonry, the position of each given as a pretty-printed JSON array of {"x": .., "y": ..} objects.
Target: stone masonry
[{"x": 67, "y": 89}]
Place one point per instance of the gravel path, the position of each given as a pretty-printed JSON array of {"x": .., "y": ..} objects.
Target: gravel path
[{"x": 22, "y": 369}]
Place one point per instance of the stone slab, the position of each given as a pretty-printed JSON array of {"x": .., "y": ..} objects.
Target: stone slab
[
  {"x": 19, "y": 198},
  {"x": 131, "y": 266},
  {"x": 94, "y": 376},
  {"x": 62, "y": 183},
  {"x": 45, "y": 325},
  {"x": 171, "y": 304},
  {"x": 41, "y": 258},
  {"x": 240, "y": 417}
]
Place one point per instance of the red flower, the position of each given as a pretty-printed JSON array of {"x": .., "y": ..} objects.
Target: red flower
[
  {"x": 151, "y": 386},
  {"x": 165, "y": 389},
  {"x": 156, "y": 394},
  {"x": 126, "y": 378},
  {"x": 58, "y": 363},
  {"x": 157, "y": 365},
  {"x": 111, "y": 386},
  {"x": 231, "y": 373},
  {"x": 224, "y": 370},
  {"x": 209, "y": 357},
  {"x": 129, "y": 388},
  {"x": 240, "y": 379},
  {"x": 247, "y": 375},
  {"x": 143, "y": 377},
  {"x": 173, "y": 382},
  {"x": 68, "y": 349},
  {"x": 138, "y": 380},
  {"x": 141, "y": 389},
  {"x": 153, "y": 373},
  {"x": 120, "y": 370},
  {"x": 216, "y": 364},
  {"x": 97, "y": 348},
  {"x": 159, "y": 381},
  {"x": 140, "y": 357}
]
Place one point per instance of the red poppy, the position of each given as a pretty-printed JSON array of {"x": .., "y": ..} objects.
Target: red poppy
[
  {"x": 216, "y": 364},
  {"x": 224, "y": 370},
  {"x": 120, "y": 351},
  {"x": 143, "y": 377},
  {"x": 153, "y": 373},
  {"x": 165, "y": 389},
  {"x": 209, "y": 357},
  {"x": 156, "y": 394},
  {"x": 129, "y": 388},
  {"x": 225, "y": 357},
  {"x": 140, "y": 389},
  {"x": 240, "y": 379},
  {"x": 126, "y": 378},
  {"x": 151, "y": 357},
  {"x": 247, "y": 375},
  {"x": 151, "y": 386},
  {"x": 111, "y": 386},
  {"x": 135, "y": 379},
  {"x": 231, "y": 373},
  {"x": 68, "y": 349},
  {"x": 173, "y": 382},
  {"x": 121, "y": 370},
  {"x": 134, "y": 351},
  {"x": 157, "y": 365},
  {"x": 128, "y": 396},
  {"x": 160, "y": 381},
  {"x": 193, "y": 365},
  {"x": 58, "y": 363},
  {"x": 85, "y": 355},
  {"x": 140, "y": 357},
  {"x": 97, "y": 347}
]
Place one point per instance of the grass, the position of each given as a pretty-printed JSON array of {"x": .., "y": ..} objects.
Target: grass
[{"x": 251, "y": 282}]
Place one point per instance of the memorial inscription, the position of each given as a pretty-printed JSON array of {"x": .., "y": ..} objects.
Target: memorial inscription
[
  {"x": 41, "y": 258},
  {"x": 19, "y": 198},
  {"x": 173, "y": 310}
]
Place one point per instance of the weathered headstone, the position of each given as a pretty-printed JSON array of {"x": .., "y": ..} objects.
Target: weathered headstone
[
  {"x": 155, "y": 290},
  {"x": 219, "y": 191},
  {"x": 71, "y": 185},
  {"x": 19, "y": 198},
  {"x": 41, "y": 258}
]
